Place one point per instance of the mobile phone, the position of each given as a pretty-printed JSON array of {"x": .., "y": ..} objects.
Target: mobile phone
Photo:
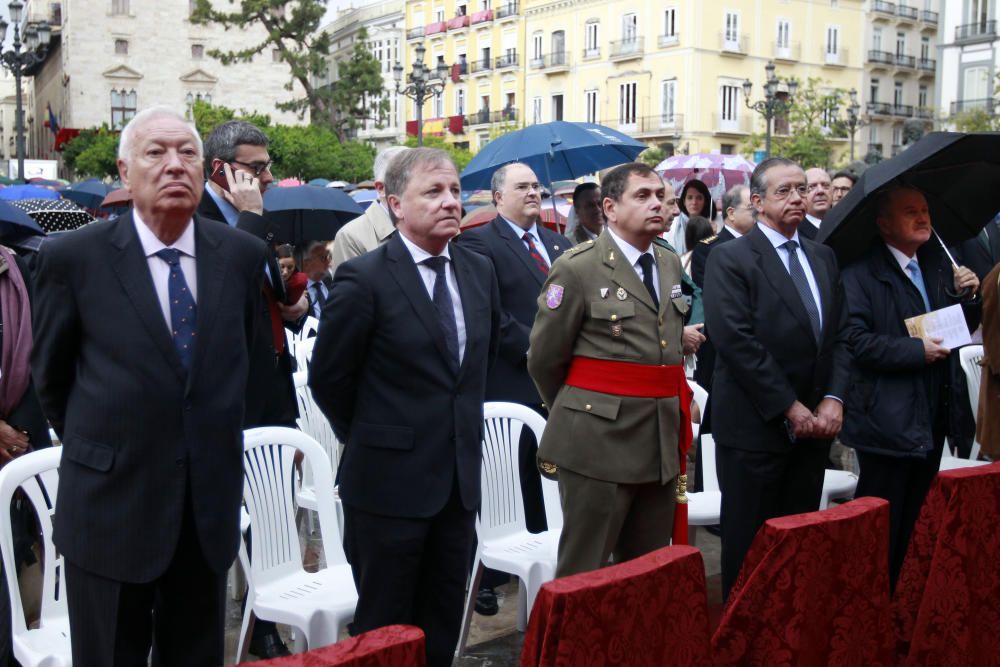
[{"x": 219, "y": 177}]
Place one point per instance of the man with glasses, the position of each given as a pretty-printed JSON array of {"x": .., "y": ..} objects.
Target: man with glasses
[
  {"x": 774, "y": 308},
  {"x": 840, "y": 185},
  {"x": 238, "y": 150}
]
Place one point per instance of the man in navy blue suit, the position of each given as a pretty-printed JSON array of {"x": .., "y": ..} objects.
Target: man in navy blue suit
[{"x": 402, "y": 379}]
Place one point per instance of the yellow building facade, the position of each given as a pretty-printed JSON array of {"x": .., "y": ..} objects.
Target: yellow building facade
[
  {"x": 671, "y": 72},
  {"x": 482, "y": 43}
]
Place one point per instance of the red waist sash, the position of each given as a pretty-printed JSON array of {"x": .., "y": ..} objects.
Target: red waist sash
[{"x": 623, "y": 378}]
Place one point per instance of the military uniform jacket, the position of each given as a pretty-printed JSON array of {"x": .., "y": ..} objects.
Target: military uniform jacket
[{"x": 594, "y": 305}]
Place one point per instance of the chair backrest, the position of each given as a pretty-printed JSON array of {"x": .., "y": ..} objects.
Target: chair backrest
[
  {"x": 269, "y": 494},
  {"x": 388, "y": 645},
  {"x": 700, "y": 397},
  {"x": 970, "y": 356},
  {"x": 502, "y": 509},
  {"x": 647, "y": 612},
  {"x": 314, "y": 423},
  {"x": 37, "y": 475},
  {"x": 310, "y": 327},
  {"x": 302, "y": 351},
  {"x": 709, "y": 475},
  {"x": 825, "y": 574}
]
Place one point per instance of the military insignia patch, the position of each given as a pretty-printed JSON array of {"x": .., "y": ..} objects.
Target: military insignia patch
[
  {"x": 621, "y": 294},
  {"x": 553, "y": 296}
]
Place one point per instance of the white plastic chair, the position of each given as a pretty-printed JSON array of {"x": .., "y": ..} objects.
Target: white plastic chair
[
  {"x": 310, "y": 327},
  {"x": 37, "y": 474},
  {"x": 313, "y": 423},
  {"x": 504, "y": 542},
  {"x": 701, "y": 400},
  {"x": 970, "y": 357},
  {"x": 302, "y": 351},
  {"x": 705, "y": 506},
  {"x": 837, "y": 484},
  {"x": 319, "y": 604}
]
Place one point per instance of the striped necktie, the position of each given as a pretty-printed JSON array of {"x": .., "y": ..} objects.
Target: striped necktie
[{"x": 543, "y": 266}]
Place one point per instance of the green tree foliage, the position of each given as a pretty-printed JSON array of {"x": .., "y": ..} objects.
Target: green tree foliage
[
  {"x": 460, "y": 156},
  {"x": 976, "y": 120},
  {"x": 315, "y": 152},
  {"x": 653, "y": 156},
  {"x": 93, "y": 152},
  {"x": 357, "y": 96},
  {"x": 810, "y": 134},
  {"x": 209, "y": 116}
]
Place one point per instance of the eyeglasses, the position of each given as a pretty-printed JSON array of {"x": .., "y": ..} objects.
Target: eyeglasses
[
  {"x": 257, "y": 168},
  {"x": 785, "y": 190}
]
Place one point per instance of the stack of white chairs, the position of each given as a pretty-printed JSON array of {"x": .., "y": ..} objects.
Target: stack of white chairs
[
  {"x": 310, "y": 327},
  {"x": 317, "y": 604},
  {"x": 314, "y": 423},
  {"x": 48, "y": 645}
]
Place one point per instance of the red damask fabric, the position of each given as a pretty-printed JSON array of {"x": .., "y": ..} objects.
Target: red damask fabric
[
  {"x": 651, "y": 611},
  {"x": 391, "y": 646},
  {"x": 947, "y": 603},
  {"x": 813, "y": 590}
]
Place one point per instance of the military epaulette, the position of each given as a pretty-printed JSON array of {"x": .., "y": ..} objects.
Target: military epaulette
[
  {"x": 663, "y": 243},
  {"x": 583, "y": 247},
  {"x": 709, "y": 239}
]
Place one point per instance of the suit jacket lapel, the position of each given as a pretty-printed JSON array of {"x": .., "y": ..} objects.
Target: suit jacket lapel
[
  {"x": 131, "y": 267},
  {"x": 776, "y": 274},
  {"x": 407, "y": 276},
  {"x": 552, "y": 244},
  {"x": 520, "y": 250},
  {"x": 665, "y": 276},
  {"x": 211, "y": 265},
  {"x": 623, "y": 273}
]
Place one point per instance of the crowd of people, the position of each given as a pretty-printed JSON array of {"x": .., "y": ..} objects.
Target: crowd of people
[{"x": 150, "y": 342}]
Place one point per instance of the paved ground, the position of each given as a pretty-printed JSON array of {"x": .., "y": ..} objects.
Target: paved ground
[{"x": 494, "y": 640}]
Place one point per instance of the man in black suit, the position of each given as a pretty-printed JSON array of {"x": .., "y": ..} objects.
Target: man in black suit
[
  {"x": 982, "y": 252},
  {"x": 817, "y": 201},
  {"x": 402, "y": 378},
  {"x": 774, "y": 308},
  {"x": 143, "y": 330}
]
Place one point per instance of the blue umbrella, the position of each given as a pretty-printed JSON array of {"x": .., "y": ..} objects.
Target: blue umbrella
[
  {"x": 16, "y": 224},
  {"x": 89, "y": 193},
  {"x": 555, "y": 151},
  {"x": 307, "y": 213},
  {"x": 319, "y": 182},
  {"x": 15, "y": 192}
]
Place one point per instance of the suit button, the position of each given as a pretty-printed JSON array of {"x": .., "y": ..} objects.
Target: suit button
[
  {"x": 587, "y": 406},
  {"x": 663, "y": 344},
  {"x": 614, "y": 317}
]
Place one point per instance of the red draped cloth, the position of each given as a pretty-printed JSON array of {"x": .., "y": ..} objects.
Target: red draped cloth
[
  {"x": 947, "y": 603},
  {"x": 391, "y": 646},
  {"x": 650, "y": 611},
  {"x": 813, "y": 590}
]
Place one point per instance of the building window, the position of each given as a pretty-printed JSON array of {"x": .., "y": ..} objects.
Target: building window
[
  {"x": 439, "y": 105},
  {"x": 590, "y": 100},
  {"x": 627, "y": 103},
  {"x": 978, "y": 11},
  {"x": 559, "y": 47},
  {"x": 873, "y": 91},
  {"x": 276, "y": 55},
  {"x": 784, "y": 35},
  {"x": 123, "y": 107},
  {"x": 630, "y": 28},
  {"x": 438, "y": 15},
  {"x": 729, "y": 108},
  {"x": 897, "y": 94},
  {"x": 670, "y": 22},
  {"x": 119, "y": 7},
  {"x": 121, "y": 47},
  {"x": 897, "y": 136},
  {"x": 536, "y": 110},
  {"x": 922, "y": 97},
  {"x": 876, "y": 39},
  {"x": 925, "y": 48},
  {"x": 900, "y": 43},
  {"x": 731, "y": 32},
  {"x": 197, "y": 51},
  {"x": 727, "y": 149},
  {"x": 976, "y": 84},
  {"x": 460, "y": 102},
  {"x": 557, "y": 107},
  {"x": 667, "y": 117},
  {"x": 832, "y": 41},
  {"x": 536, "y": 46},
  {"x": 590, "y": 43}
]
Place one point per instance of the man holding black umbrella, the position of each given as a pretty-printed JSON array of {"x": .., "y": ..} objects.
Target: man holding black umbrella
[{"x": 897, "y": 412}]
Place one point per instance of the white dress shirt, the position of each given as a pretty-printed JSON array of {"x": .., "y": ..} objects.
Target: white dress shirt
[
  {"x": 778, "y": 239},
  {"x": 428, "y": 275},
  {"x": 632, "y": 254},
  {"x": 816, "y": 222},
  {"x": 903, "y": 260},
  {"x": 535, "y": 238},
  {"x": 732, "y": 230},
  {"x": 160, "y": 270}
]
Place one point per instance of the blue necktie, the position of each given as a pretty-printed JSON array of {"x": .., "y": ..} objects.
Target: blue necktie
[
  {"x": 918, "y": 280},
  {"x": 183, "y": 310},
  {"x": 801, "y": 283},
  {"x": 444, "y": 305}
]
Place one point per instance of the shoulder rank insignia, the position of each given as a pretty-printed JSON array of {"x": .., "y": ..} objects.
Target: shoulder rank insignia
[{"x": 711, "y": 238}]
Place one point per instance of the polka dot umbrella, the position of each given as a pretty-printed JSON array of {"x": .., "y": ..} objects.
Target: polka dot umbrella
[{"x": 54, "y": 215}]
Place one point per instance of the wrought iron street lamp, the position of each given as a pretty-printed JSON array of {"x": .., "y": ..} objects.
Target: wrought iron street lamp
[
  {"x": 854, "y": 119},
  {"x": 775, "y": 103},
  {"x": 422, "y": 83},
  {"x": 36, "y": 41}
]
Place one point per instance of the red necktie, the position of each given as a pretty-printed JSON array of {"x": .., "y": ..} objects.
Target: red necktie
[{"x": 543, "y": 266}]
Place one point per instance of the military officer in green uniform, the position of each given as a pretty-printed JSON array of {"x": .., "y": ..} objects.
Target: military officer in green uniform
[{"x": 606, "y": 355}]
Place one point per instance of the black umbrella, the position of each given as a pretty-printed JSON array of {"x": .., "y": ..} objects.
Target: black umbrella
[
  {"x": 55, "y": 215},
  {"x": 308, "y": 213},
  {"x": 16, "y": 224},
  {"x": 958, "y": 173}
]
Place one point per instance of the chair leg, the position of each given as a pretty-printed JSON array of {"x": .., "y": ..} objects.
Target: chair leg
[
  {"x": 522, "y": 605},
  {"x": 246, "y": 632},
  {"x": 470, "y": 604},
  {"x": 692, "y": 535}
]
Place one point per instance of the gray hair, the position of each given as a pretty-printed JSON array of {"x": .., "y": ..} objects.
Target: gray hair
[
  {"x": 125, "y": 139},
  {"x": 758, "y": 180},
  {"x": 499, "y": 178},
  {"x": 733, "y": 198},
  {"x": 404, "y": 165},
  {"x": 383, "y": 159},
  {"x": 222, "y": 142}
]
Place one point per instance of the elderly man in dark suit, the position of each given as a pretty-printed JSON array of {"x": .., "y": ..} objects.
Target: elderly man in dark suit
[
  {"x": 143, "y": 329},
  {"x": 402, "y": 378},
  {"x": 774, "y": 307}
]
